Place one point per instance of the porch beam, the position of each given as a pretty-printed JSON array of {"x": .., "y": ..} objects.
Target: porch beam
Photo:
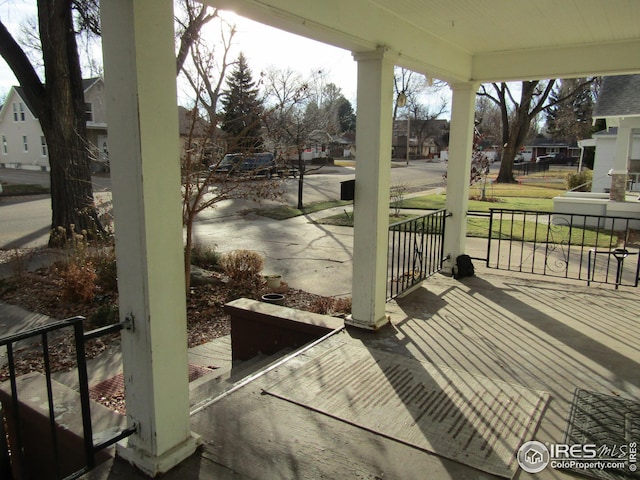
[
  {"x": 140, "y": 84},
  {"x": 373, "y": 177},
  {"x": 458, "y": 170}
]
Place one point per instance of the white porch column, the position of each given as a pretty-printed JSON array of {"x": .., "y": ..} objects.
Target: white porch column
[
  {"x": 620, "y": 168},
  {"x": 458, "y": 169},
  {"x": 373, "y": 176},
  {"x": 140, "y": 84}
]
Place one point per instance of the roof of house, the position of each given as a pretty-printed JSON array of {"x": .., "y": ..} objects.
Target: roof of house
[
  {"x": 619, "y": 96},
  {"x": 20, "y": 91},
  {"x": 86, "y": 84},
  {"x": 186, "y": 120}
]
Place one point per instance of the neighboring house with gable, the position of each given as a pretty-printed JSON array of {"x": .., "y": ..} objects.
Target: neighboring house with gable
[
  {"x": 619, "y": 105},
  {"x": 22, "y": 143},
  {"x": 617, "y": 153}
]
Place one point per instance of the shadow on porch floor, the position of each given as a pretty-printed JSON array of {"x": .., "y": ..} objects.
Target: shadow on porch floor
[{"x": 526, "y": 331}]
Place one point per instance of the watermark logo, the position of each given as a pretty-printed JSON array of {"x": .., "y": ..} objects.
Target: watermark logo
[{"x": 533, "y": 457}]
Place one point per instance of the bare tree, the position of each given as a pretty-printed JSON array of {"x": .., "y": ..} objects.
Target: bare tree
[
  {"x": 425, "y": 123},
  {"x": 206, "y": 66},
  {"x": 203, "y": 188},
  {"x": 288, "y": 98},
  {"x": 489, "y": 120},
  {"x": 411, "y": 89},
  {"x": 196, "y": 16},
  {"x": 517, "y": 115}
]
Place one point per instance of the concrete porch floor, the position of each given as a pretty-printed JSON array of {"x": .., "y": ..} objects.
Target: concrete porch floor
[{"x": 531, "y": 331}]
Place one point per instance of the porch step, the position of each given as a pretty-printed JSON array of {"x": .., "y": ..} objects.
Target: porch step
[
  {"x": 222, "y": 380},
  {"x": 34, "y": 419}
]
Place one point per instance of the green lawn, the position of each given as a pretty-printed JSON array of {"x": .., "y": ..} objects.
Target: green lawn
[
  {"x": 536, "y": 195},
  {"x": 527, "y": 196},
  {"x": 436, "y": 202},
  {"x": 518, "y": 230}
]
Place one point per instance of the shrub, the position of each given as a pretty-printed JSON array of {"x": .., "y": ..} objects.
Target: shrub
[
  {"x": 104, "y": 261},
  {"x": 581, "y": 181},
  {"x": 78, "y": 282},
  {"x": 105, "y": 315},
  {"x": 205, "y": 257},
  {"x": 397, "y": 194},
  {"x": 242, "y": 266},
  {"x": 331, "y": 306}
]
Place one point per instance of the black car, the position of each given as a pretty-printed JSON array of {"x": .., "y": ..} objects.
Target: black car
[
  {"x": 229, "y": 165},
  {"x": 557, "y": 159},
  {"x": 260, "y": 164}
]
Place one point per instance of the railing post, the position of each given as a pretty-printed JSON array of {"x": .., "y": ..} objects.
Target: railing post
[
  {"x": 489, "y": 235},
  {"x": 85, "y": 406},
  {"x": 5, "y": 463}
]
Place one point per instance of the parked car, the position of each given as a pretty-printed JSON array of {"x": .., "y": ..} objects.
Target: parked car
[
  {"x": 557, "y": 159},
  {"x": 260, "y": 164},
  {"x": 229, "y": 164}
]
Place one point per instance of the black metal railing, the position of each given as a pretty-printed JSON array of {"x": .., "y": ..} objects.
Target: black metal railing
[
  {"x": 14, "y": 407},
  {"x": 582, "y": 247},
  {"x": 416, "y": 251},
  {"x": 525, "y": 168}
]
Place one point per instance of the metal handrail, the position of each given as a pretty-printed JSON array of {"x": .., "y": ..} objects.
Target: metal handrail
[{"x": 80, "y": 337}]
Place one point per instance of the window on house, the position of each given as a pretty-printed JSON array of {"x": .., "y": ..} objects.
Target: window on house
[
  {"x": 5, "y": 148},
  {"x": 25, "y": 143},
  {"x": 43, "y": 146},
  {"x": 88, "y": 112},
  {"x": 18, "y": 112}
]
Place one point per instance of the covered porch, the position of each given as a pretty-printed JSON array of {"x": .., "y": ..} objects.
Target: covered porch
[
  {"x": 464, "y": 43},
  {"x": 502, "y": 329}
]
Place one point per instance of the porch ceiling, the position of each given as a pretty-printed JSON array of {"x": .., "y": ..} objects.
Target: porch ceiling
[{"x": 468, "y": 40}]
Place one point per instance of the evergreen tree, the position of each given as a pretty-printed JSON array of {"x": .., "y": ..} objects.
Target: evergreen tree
[
  {"x": 570, "y": 119},
  {"x": 346, "y": 116},
  {"x": 242, "y": 110}
]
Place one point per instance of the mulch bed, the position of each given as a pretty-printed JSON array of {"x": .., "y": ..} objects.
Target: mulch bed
[{"x": 40, "y": 292}]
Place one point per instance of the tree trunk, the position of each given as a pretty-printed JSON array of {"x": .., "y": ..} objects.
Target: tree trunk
[
  {"x": 64, "y": 126},
  {"x": 505, "y": 174},
  {"x": 515, "y": 133}
]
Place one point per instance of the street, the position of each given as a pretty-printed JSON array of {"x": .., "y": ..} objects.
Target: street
[{"x": 25, "y": 221}]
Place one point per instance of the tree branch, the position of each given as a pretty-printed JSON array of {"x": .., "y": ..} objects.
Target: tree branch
[
  {"x": 192, "y": 30},
  {"x": 22, "y": 68}
]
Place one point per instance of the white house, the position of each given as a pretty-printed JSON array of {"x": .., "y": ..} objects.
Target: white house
[
  {"x": 617, "y": 154},
  {"x": 618, "y": 149},
  {"x": 22, "y": 142},
  {"x": 605, "y": 148}
]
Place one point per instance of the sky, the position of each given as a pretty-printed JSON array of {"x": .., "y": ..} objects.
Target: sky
[{"x": 263, "y": 46}]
